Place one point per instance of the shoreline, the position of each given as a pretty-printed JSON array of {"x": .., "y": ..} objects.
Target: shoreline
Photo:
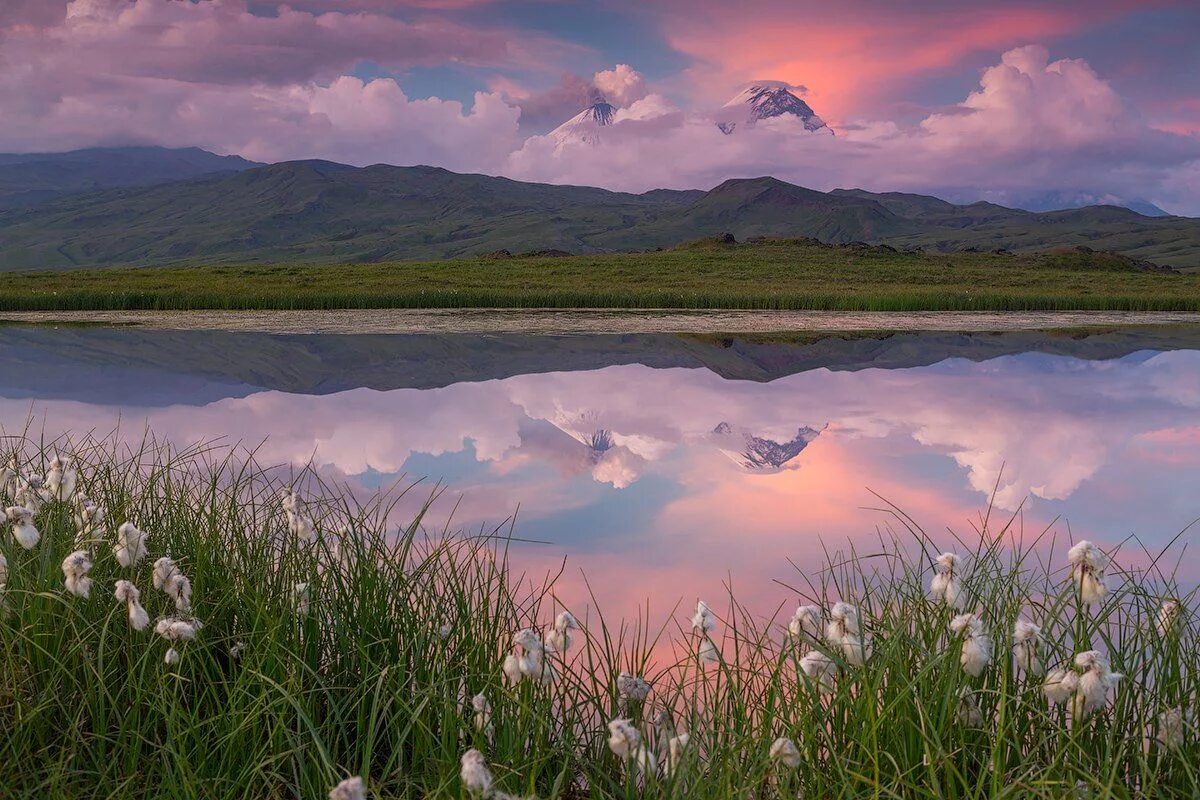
[{"x": 598, "y": 321}]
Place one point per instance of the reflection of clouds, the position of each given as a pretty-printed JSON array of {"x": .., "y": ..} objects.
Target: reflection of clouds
[
  {"x": 1042, "y": 425},
  {"x": 573, "y": 455},
  {"x": 629, "y": 459}
]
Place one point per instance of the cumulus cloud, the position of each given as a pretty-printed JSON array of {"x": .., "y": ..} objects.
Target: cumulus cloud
[
  {"x": 213, "y": 74},
  {"x": 623, "y": 86},
  {"x": 1033, "y": 124}
]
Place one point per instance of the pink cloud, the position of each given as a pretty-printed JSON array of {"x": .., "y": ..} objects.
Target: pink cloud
[
  {"x": 854, "y": 55},
  {"x": 1033, "y": 124},
  {"x": 215, "y": 75}
]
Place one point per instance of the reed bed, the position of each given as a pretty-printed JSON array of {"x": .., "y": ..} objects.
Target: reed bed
[
  {"x": 866, "y": 299},
  {"x": 780, "y": 275},
  {"x": 311, "y": 644}
]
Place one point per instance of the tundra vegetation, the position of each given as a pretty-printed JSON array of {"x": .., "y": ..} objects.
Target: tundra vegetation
[
  {"x": 712, "y": 273},
  {"x": 184, "y": 622}
]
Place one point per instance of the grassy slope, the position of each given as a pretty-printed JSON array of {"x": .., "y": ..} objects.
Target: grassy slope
[
  {"x": 322, "y": 213},
  {"x": 784, "y": 275}
]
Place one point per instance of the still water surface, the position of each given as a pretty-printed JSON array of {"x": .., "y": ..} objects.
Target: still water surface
[{"x": 665, "y": 466}]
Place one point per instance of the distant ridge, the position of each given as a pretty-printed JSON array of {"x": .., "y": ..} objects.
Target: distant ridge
[
  {"x": 321, "y": 211},
  {"x": 28, "y": 179}
]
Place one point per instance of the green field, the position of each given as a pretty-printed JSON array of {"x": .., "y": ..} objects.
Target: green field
[{"x": 770, "y": 275}]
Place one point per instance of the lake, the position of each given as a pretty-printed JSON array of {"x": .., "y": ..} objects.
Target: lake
[{"x": 665, "y": 466}]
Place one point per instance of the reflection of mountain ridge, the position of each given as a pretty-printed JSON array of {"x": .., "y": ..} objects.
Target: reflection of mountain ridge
[{"x": 46, "y": 360}]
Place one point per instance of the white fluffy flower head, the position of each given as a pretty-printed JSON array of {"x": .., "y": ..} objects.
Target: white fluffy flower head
[
  {"x": 128, "y": 594},
  {"x": 130, "y": 548},
  {"x": 476, "y": 776},
  {"x": 349, "y": 789},
  {"x": 784, "y": 751},
  {"x": 75, "y": 568}
]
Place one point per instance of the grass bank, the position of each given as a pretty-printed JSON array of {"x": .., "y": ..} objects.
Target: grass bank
[
  {"x": 333, "y": 645},
  {"x": 773, "y": 275}
]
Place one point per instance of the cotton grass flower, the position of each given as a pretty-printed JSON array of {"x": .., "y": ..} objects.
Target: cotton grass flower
[
  {"x": 677, "y": 747},
  {"x": 1088, "y": 565},
  {"x": 708, "y": 652},
  {"x": 171, "y": 581},
  {"x": 483, "y": 714},
  {"x": 1095, "y": 683},
  {"x": 300, "y": 524},
  {"x": 804, "y": 628},
  {"x": 3, "y": 569},
  {"x": 128, "y": 594},
  {"x": 1168, "y": 615},
  {"x": 946, "y": 584},
  {"x": 476, "y": 777},
  {"x": 24, "y": 532},
  {"x": 968, "y": 713},
  {"x": 89, "y": 520},
  {"x": 1027, "y": 639},
  {"x": 511, "y": 668},
  {"x": 820, "y": 669},
  {"x": 1060, "y": 685},
  {"x": 177, "y": 629},
  {"x": 349, "y": 789},
  {"x": 9, "y": 476},
  {"x": 30, "y": 495},
  {"x": 60, "y": 478},
  {"x": 844, "y": 634},
  {"x": 75, "y": 568},
  {"x": 703, "y": 621},
  {"x": 130, "y": 548},
  {"x": 531, "y": 656},
  {"x": 558, "y": 638},
  {"x": 632, "y": 688},
  {"x": 1171, "y": 729},
  {"x": 623, "y": 739},
  {"x": 976, "y": 644},
  {"x": 784, "y": 751}
]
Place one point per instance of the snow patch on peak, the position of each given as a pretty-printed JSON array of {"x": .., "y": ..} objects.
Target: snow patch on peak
[
  {"x": 756, "y": 453},
  {"x": 586, "y": 125},
  {"x": 763, "y": 100}
]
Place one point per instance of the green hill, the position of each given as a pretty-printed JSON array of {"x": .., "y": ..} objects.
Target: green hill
[
  {"x": 28, "y": 179},
  {"x": 317, "y": 211}
]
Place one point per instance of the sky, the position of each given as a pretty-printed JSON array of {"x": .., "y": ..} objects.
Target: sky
[{"x": 1005, "y": 100}]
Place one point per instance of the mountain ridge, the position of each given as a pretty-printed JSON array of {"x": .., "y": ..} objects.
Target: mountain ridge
[
  {"x": 28, "y": 179},
  {"x": 317, "y": 210}
]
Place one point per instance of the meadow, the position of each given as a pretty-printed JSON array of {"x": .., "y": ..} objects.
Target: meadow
[
  {"x": 286, "y": 639},
  {"x": 778, "y": 274}
]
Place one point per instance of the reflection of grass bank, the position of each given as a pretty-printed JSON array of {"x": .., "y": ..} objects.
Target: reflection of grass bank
[
  {"x": 787, "y": 275},
  {"x": 371, "y": 671}
]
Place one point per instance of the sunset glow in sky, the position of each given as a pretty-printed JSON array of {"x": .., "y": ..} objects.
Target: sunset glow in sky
[{"x": 976, "y": 99}]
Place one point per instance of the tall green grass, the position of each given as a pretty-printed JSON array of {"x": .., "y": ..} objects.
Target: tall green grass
[
  {"x": 869, "y": 299},
  {"x": 407, "y": 623},
  {"x": 781, "y": 275}
]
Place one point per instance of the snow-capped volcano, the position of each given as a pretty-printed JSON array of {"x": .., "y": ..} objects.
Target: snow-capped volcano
[
  {"x": 756, "y": 454},
  {"x": 586, "y": 125},
  {"x": 765, "y": 100}
]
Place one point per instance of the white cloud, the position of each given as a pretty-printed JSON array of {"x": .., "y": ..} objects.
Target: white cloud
[{"x": 1033, "y": 125}]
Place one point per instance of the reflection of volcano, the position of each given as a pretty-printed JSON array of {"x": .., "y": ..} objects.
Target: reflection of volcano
[
  {"x": 601, "y": 454},
  {"x": 756, "y": 454}
]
